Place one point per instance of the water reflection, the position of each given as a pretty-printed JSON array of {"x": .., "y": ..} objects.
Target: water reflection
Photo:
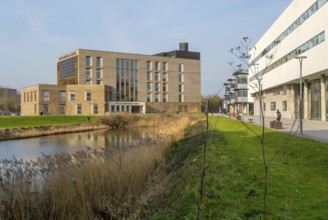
[{"x": 32, "y": 148}]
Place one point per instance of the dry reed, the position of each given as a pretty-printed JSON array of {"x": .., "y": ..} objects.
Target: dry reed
[{"x": 85, "y": 184}]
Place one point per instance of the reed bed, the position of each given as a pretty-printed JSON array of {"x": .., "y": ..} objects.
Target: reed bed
[{"x": 90, "y": 184}]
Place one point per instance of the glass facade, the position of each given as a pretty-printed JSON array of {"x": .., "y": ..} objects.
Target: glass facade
[
  {"x": 314, "y": 100},
  {"x": 67, "y": 68},
  {"x": 127, "y": 80}
]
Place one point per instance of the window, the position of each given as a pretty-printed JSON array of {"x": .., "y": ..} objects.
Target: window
[
  {"x": 164, "y": 87},
  {"x": 181, "y": 78},
  {"x": 45, "y": 109},
  {"x": 98, "y": 82},
  {"x": 157, "y": 87},
  {"x": 62, "y": 96},
  {"x": 98, "y": 74},
  {"x": 62, "y": 109},
  {"x": 165, "y": 97},
  {"x": 148, "y": 65},
  {"x": 78, "y": 109},
  {"x": 88, "y": 82},
  {"x": 87, "y": 96},
  {"x": 156, "y": 97},
  {"x": 164, "y": 66},
  {"x": 72, "y": 96},
  {"x": 273, "y": 105},
  {"x": 98, "y": 62},
  {"x": 34, "y": 95},
  {"x": 148, "y": 86},
  {"x": 45, "y": 95},
  {"x": 88, "y": 73},
  {"x": 95, "y": 109},
  {"x": 181, "y": 97},
  {"x": 148, "y": 76},
  {"x": 180, "y": 68},
  {"x": 88, "y": 61},
  {"x": 180, "y": 88},
  {"x": 148, "y": 97},
  {"x": 156, "y": 76},
  {"x": 284, "y": 105},
  {"x": 156, "y": 66},
  {"x": 164, "y": 77}
]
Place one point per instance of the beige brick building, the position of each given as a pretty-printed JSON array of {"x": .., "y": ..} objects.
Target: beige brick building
[{"x": 98, "y": 82}]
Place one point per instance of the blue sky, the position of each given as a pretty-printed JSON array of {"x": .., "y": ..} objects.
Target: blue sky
[{"x": 34, "y": 32}]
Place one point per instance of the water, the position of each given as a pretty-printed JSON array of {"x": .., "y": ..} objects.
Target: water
[{"x": 31, "y": 148}]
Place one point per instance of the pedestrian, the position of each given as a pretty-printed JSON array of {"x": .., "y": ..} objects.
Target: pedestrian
[{"x": 278, "y": 115}]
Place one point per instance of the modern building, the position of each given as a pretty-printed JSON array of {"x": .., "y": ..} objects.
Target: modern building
[
  {"x": 300, "y": 31},
  {"x": 106, "y": 82},
  {"x": 236, "y": 94}
]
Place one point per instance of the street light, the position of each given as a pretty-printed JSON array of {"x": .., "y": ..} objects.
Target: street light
[{"x": 300, "y": 58}]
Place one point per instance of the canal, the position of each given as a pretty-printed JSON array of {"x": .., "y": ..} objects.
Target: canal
[{"x": 31, "y": 148}]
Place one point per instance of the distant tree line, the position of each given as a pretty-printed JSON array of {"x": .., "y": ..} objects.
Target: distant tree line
[
  {"x": 215, "y": 103},
  {"x": 9, "y": 101}
]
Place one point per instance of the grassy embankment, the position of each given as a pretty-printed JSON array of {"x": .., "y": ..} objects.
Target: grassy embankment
[
  {"x": 85, "y": 185},
  {"x": 234, "y": 182},
  {"x": 35, "y": 121}
]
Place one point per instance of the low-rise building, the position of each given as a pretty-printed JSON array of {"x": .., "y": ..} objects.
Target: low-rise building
[{"x": 119, "y": 82}]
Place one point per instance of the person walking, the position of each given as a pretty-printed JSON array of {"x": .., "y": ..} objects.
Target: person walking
[{"x": 278, "y": 115}]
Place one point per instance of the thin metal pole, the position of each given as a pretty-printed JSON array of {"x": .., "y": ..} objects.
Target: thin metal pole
[{"x": 300, "y": 58}]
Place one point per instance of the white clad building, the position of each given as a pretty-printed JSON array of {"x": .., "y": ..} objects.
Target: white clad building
[{"x": 301, "y": 30}]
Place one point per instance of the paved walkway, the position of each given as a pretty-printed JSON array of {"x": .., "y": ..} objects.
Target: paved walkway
[{"x": 316, "y": 130}]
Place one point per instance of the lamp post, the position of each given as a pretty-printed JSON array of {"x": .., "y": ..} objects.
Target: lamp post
[{"x": 300, "y": 58}]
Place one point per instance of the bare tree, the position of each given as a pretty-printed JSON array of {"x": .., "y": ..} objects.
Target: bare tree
[{"x": 248, "y": 57}]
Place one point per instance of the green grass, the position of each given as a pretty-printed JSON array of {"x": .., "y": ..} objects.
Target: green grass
[
  {"x": 298, "y": 176},
  {"x": 34, "y": 121}
]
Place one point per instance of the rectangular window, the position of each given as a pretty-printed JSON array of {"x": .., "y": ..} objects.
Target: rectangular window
[
  {"x": 35, "y": 95},
  {"x": 88, "y": 82},
  {"x": 79, "y": 109},
  {"x": 45, "y": 95},
  {"x": 165, "y": 97},
  {"x": 45, "y": 109},
  {"x": 181, "y": 78},
  {"x": 88, "y": 73},
  {"x": 98, "y": 62},
  {"x": 148, "y": 86},
  {"x": 164, "y": 66},
  {"x": 98, "y": 82},
  {"x": 88, "y": 61},
  {"x": 181, "y": 97},
  {"x": 98, "y": 74},
  {"x": 284, "y": 105},
  {"x": 95, "y": 109},
  {"x": 156, "y": 65},
  {"x": 62, "y": 109},
  {"x": 156, "y": 97},
  {"x": 72, "y": 96},
  {"x": 181, "y": 88},
  {"x": 273, "y": 105},
  {"x": 148, "y": 65},
  {"x": 148, "y": 97},
  {"x": 87, "y": 96},
  {"x": 157, "y": 87},
  {"x": 62, "y": 96},
  {"x": 164, "y": 87},
  {"x": 156, "y": 76},
  {"x": 148, "y": 76},
  {"x": 164, "y": 77},
  {"x": 180, "y": 68}
]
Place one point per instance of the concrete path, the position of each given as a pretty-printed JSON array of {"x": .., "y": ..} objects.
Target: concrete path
[{"x": 316, "y": 130}]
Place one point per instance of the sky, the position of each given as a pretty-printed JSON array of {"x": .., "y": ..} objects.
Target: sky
[{"x": 34, "y": 32}]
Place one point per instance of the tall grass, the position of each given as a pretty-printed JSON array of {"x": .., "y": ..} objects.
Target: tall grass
[{"x": 85, "y": 184}]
